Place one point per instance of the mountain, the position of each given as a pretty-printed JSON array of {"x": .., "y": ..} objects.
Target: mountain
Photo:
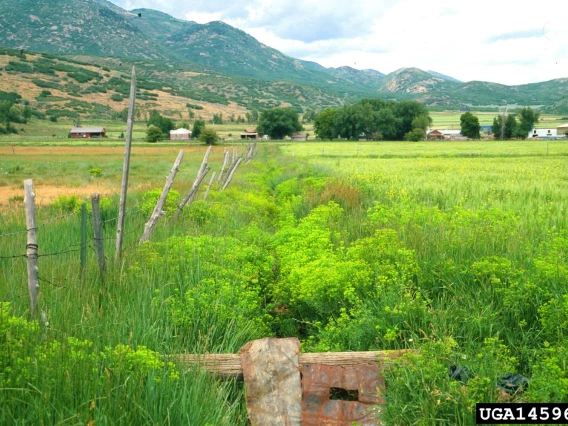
[
  {"x": 443, "y": 76},
  {"x": 99, "y": 28},
  {"x": 90, "y": 27},
  {"x": 218, "y": 63},
  {"x": 413, "y": 81}
]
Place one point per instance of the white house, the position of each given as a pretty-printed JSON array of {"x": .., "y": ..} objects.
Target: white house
[
  {"x": 180, "y": 134},
  {"x": 542, "y": 133}
]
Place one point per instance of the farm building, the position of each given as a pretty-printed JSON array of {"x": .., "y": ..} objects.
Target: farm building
[
  {"x": 542, "y": 133},
  {"x": 435, "y": 135},
  {"x": 299, "y": 136},
  {"x": 249, "y": 134},
  {"x": 87, "y": 132},
  {"x": 180, "y": 134},
  {"x": 562, "y": 130}
]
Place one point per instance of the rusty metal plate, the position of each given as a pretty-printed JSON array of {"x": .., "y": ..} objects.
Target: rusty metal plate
[{"x": 361, "y": 382}]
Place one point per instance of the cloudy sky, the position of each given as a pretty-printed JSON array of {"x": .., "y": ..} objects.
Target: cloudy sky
[{"x": 499, "y": 40}]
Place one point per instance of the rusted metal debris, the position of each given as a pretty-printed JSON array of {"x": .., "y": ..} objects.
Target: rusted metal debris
[
  {"x": 271, "y": 369},
  {"x": 361, "y": 382}
]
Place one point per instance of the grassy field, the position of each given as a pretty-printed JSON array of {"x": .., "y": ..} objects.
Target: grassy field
[{"x": 457, "y": 249}]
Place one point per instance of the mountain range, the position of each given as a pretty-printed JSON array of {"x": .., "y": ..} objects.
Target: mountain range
[{"x": 100, "y": 29}]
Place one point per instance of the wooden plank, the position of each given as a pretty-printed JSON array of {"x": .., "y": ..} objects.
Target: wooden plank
[{"x": 229, "y": 365}]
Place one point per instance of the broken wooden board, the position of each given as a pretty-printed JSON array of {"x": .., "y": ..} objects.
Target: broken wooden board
[{"x": 271, "y": 370}]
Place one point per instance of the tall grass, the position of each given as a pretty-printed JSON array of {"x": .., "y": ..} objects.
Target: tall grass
[{"x": 464, "y": 258}]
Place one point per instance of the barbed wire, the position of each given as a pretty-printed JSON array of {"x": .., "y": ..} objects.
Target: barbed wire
[
  {"x": 13, "y": 257},
  {"x": 128, "y": 213},
  {"x": 38, "y": 226}
]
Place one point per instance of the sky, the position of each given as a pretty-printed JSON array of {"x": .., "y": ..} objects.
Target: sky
[{"x": 499, "y": 40}]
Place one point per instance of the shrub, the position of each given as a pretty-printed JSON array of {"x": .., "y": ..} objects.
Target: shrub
[
  {"x": 208, "y": 136},
  {"x": 154, "y": 134},
  {"x": 150, "y": 198}
]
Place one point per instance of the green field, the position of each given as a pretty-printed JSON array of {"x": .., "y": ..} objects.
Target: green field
[{"x": 458, "y": 250}]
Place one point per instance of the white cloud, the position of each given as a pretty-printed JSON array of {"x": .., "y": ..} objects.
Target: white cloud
[{"x": 489, "y": 40}]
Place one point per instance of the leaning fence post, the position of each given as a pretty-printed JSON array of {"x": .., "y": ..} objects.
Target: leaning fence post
[
  {"x": 203, "y": 170},
  {"x": 31, "y": 248},
  {"x": 98, "y": 232},
  {"x": 150, "y": 225},
  {"x": 209, "y": 186},
  {"x": 83, "y": 237},
  {"x": 232, "y": 171},
  {"x": 125, "y": 169},
  {"x": 225, "y": 162}
]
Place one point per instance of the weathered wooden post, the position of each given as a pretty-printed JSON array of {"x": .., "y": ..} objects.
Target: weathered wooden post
[
  {"x": 231, "y": 172},
  {"x": 151, "y": 224},
  {"x": 225, "y": 162},
  {"x": 125, "y": 169},
  {"x": 83, "y": 237},
  {"x": 31, "y": 248},
  {"x": 209, "y": 186},
  {"x": 98, "y": 232},
  {"x": 202, "y": 172}
]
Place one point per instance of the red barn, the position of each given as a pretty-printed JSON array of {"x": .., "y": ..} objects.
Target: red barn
[{"x": 87, "y": 132}]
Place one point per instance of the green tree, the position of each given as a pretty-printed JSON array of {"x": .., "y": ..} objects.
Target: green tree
[
  {"x": 198, "y": 125},
  {"x": 121, "y": 115},
  {"x": 309, "y": 116},
  {"x": 252, "y": 116},
  {"x": 279, "y": 122},
  {"x": 380, "y": 119},
  {"x": 154, "y": 134},
  {"x": 208, "y": 136},
  {"x": 163, "y": 123},
  {"x": 509, "y": 129},
  {"x": 218, "y": 118},
  {"x": 527, "y": 118},
  {"x": 324, "y": 124},
  {"x": 415, "y": 135},
  {"x": 470, "y": 125}
]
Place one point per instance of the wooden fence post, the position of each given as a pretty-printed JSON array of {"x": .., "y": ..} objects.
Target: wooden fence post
[
  {"x": 83, "y": 237},
  {"x": 98, "y": 232},
  {"x": 231, "y": 172},
  {"x": 125, "y": 169},
  {"x": 151, "y": 224},
  {"x": 203, "y": 170},
  {"x": 31, "y": 248},
  {"x": 225, "y": 162},
  {"x": 209, "y": 186}
]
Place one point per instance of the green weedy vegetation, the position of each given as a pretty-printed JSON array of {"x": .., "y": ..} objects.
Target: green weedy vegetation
[{"x": 460, "y": 253}]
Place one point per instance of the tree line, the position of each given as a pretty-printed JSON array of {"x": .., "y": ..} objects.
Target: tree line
[{"x": 374, "y": 119}]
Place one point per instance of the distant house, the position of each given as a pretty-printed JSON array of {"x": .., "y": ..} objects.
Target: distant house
[
  {"x": 446, "y": 134},
  {"x": 249, "y": 134},
  {"x": 180, "y": 134},
  {"x": 363, "y": 137},
  {"x": 562, "y": 130},
  {"x": 299, "y": 136},
  {"x": 87, "y": 132},
  {"x": 542, "y": 133},
  {"x": 435, "y": 135}
]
